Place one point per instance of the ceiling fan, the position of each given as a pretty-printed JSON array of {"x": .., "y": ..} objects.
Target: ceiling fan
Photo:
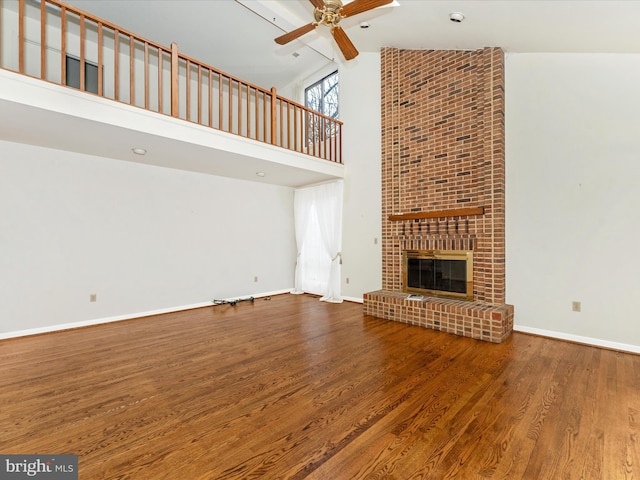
[{"x": 329, "y": 13}]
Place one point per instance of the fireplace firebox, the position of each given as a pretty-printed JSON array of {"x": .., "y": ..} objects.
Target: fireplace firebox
[{"x": 445, "y": 273}]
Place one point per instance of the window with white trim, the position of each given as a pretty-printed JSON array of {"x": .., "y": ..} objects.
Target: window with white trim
[{"x": 322, "y": 97}]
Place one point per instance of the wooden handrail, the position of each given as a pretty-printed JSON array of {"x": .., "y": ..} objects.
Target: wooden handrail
[
  {"x": 184, "y": 87},
  {"x": 458, "y": 212}
]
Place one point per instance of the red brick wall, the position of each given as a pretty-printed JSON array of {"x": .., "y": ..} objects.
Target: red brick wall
[{"x": 443, "y": 148}]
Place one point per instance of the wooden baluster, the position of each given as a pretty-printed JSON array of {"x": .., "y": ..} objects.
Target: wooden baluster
[
  {"x": 43, "y": 40},
  {"x": 146, "y": 76},
  {"x": 315, "y": 134},
  {"x": 82, "y": 59},
  {"x": 188, "y": 79},
  {"x": 239, "y": 108},
  {"x": 281, "y": 124},
  {"x": 160, "y": 71},
  {"x": 200, "y": 94},
  {"x": 334, "y": 130},
  {"x": 329, "y": 139},
  {"x": 324, "y": 137},
  {"x": 220, "y": 98},
  {"x": 309, "y": 132},
  {"x": 116, "y": 64},
  {"x": 210, "y": 98},
  {"x": 257, "y": 117},
  {"x": 248, "y": 111},
  {"x": 340, "y": 143},
  {"x": 174, "y": 80},
  {"x": 21, "y": 39},
  {"x": 100, "y": 60},
  {"x": 295, "y": 128},
  {"x": 63, "y": 45},
  {"x": 274, "y": 133},
  {"x": 336, "y": 143},
  {"x": 288, "y": 126},
  {"x": 230, "y": 110},
  {"x": 132, "y": 89},
  {"x": 264, "y": 117},
  {"x": 320, "y": 135}
]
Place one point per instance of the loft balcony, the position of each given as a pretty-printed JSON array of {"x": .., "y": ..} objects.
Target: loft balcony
[{"x": 72, "y": 81}]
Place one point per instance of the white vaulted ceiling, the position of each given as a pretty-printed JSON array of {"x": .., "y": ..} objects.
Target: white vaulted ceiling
[{"x": 236, "y": 36}]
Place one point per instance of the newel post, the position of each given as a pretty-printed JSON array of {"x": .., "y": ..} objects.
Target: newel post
[
  {"x": 274, "y": 102},
  {"x": 174, "y": 80}
]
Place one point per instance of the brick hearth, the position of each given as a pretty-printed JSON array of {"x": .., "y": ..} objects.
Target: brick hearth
[
  {"x": 443, "y": 150},
  {"x": 479, "y": 320}
]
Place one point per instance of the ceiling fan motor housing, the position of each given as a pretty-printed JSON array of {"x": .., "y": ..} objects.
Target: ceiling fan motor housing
[{"x": 330, "y": 14}]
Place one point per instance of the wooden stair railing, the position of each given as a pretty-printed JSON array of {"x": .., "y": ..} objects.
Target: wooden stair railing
[{"x": 122, "y": 66}]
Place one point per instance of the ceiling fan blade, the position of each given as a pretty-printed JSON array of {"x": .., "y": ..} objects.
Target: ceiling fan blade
[
  {"x": 359, "y": 6},
  {"x": 317, "y": 3},
  {"x": 293, "y": 34},
  {"x": 346, "y": 47}
]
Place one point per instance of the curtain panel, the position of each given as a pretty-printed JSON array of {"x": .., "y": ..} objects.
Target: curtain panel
[{"x": 318, "y": 227}]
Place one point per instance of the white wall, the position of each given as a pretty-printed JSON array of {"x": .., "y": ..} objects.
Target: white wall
[
  {"x": 143, "y": 238},
  {"x": 362, "y": 227},
  {"x": 573, "y": 176},
  {"x": 360, "y": 111}
]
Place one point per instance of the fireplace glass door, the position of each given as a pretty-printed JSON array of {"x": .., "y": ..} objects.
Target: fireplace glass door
[
  {"x": 440, "y": 273},
  {"x": 432, "y": 274}
]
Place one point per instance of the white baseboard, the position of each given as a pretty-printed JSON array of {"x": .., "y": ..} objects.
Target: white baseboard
[
  {"x": 98, "y": 321},
  {"x": 596, "y": 342},
  {"x": 260, "y": 295},
  {"x": 353, "y": 299},
  {"x": 118, "y": 318}
]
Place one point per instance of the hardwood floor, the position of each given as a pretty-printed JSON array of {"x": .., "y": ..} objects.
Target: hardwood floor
[{"x": 294, "y": 388}]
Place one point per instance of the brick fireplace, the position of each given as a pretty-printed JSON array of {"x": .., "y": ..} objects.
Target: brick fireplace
[{"x": 443, "y": 184}]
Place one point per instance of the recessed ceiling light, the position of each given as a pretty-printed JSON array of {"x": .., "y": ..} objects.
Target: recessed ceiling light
[
  {"x": 456, "y": 17},
  {"x": 139, "y": 151},
  {"x": 260, "y": 174}
]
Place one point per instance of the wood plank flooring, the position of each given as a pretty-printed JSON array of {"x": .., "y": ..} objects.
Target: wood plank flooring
[{"x": 294, "y": 388}]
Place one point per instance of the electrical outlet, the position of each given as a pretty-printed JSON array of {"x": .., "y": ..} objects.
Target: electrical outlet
[
  {"x": 93, "y": 297},
  {"x": 255, "y": 279},
  {"x": 375, "y": 241},
  {"x": 346, "y": 280},
  {"x": 576, "y": 306}
]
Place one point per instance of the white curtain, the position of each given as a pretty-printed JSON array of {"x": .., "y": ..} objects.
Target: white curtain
[
  {"x": 318, "y": 226},
  {"x": 302, "y": 205}
]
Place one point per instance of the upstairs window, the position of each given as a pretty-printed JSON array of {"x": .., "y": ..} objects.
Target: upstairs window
[
  {"x": 322, "y": 97},
  {"x": 72, "y": 69}
]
